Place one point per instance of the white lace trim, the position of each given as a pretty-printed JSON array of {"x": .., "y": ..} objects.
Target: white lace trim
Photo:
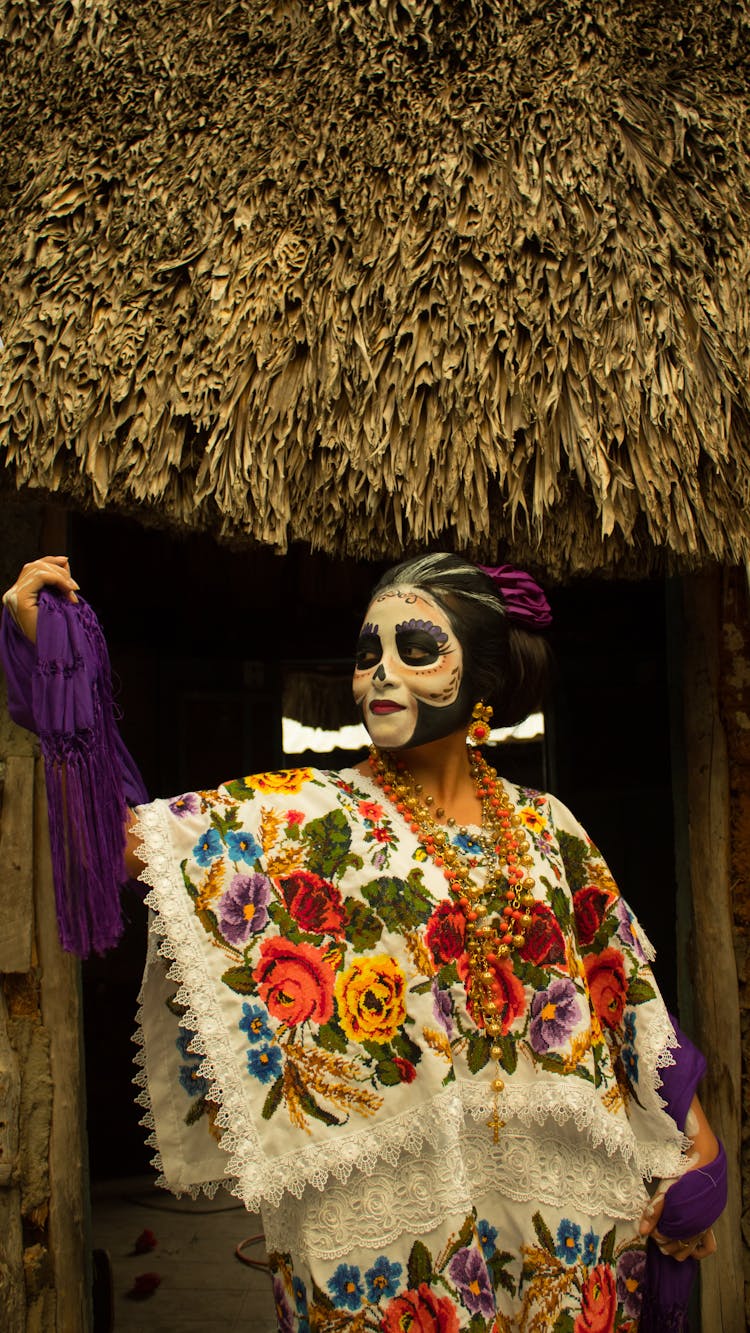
[
  {"x": 254, "y": 1177},
  {"x": 374, "y": 1212}
]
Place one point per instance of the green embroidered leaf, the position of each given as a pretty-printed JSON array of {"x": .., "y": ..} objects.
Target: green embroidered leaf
[
  {"x": 195, "y": 1112},
  {"x": 240, "y": 791},
  {"x": 387, "y": 1072},
  {"x": 310, "y": 1107},
  {"x": 564, "y": 1323},
  {"x": 421, "y": 988},
  {"x": 560, "y": 905},
  {"x": 379, "y": 1050},
  {"x": 465, "y": 1237},
  {"x": 509, "y": 1057},
  {"x": 450, "y": 1077},
  {"x": 239, "y": 979},
  {"x": 401, "y": 904},
  {"x": 331, "y": 1037},
  {"x": 273, "y": 1100},
  {"x": 530, "y": 974},
  {"x": 477, "y": 1052},
  {"x": 321, "y": 1300},
  {"x": 543, "y": 1233},
  {"x": 225, "y": 822},
  {"x": 603, "y": 935},
  {"x": 328, "y": 840},
  {"x": 575, "y": 854},
  {"x": 477, "y": 1324},
  {"x": 365, "y": 928},
  {"x": 639, "y": 991},
  {"x": 292, "y": 832},
  {"x": 496, "y": 1265},
  {"x": 607, "y": 1250},
  {"x": 286, "y": 924},
  {"x": 419, "y": 1267},
  {"x": 406, "y": 1048},
  {"x": 447, "y": 976}
]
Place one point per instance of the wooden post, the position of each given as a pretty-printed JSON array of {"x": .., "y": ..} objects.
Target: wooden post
[
  {"x": 69, "y": 1240},
  {"x": 711, "y": 963}
]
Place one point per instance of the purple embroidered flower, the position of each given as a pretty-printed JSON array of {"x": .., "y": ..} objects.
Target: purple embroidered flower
[
  {"x": 243, "y": 847},
  {"x": 208, "y": 847},
  {"x": 554, "y": 1013},
  {"x": 442, "y": 1008},
  {"x": 188, "y": 804},
  {"x": 469, "y": 1272},
  {"x": 625, "y": 932},
  {"x": 243, "y": 909},
  {"x": 283, "y": 1309},
  {"x": 631, "y": 1267}
]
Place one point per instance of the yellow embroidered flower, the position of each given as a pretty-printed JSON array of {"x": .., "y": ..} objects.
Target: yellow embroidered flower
[
  {"x": 370, "y": 997},
  {"x": 286, "y": 779},
  {"x": 532, "y": 820}
]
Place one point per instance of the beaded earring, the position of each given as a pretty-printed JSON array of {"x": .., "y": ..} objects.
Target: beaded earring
[{"x": 479, "y": 727}]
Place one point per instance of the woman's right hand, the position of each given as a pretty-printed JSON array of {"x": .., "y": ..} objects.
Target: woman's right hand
[{"x": 22, "y": 600}]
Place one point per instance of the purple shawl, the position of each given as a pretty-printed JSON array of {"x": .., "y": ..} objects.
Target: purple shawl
[{"x": 61, "y": 688}]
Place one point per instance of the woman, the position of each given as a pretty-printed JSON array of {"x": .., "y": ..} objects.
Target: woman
[{"x": 408, "y": 1013}]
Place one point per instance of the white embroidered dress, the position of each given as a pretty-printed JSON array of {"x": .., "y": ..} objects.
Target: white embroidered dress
[{"x": 303, "y": 1001}]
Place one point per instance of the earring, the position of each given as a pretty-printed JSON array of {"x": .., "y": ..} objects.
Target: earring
[{"x": 479, "y": 727}]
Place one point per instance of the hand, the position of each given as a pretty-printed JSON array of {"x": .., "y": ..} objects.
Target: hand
[
  {"x": 22, "y": 600},
  {"x": 687, "y": 1247}
]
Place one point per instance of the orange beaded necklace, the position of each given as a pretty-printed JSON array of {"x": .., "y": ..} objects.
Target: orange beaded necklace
[{"x": 488, "y": 940}]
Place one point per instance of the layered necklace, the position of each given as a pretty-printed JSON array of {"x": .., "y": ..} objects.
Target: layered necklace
[{"x": 489, "y": 938}]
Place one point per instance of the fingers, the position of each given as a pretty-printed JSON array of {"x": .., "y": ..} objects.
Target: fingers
[
  {"x": 689, "y": 1247},
  {"x": 22, "y": 599}
]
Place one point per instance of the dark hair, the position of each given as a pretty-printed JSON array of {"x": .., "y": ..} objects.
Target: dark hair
[{"x": 507, "y": 666}]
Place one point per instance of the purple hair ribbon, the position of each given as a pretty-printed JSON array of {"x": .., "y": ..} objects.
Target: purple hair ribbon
[{"x": 524, "y": 600}]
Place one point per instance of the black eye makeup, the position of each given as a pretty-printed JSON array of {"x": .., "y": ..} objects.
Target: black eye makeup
[
  {"x": 368, "y": 650},
  {"x": 417, "y": 647}
]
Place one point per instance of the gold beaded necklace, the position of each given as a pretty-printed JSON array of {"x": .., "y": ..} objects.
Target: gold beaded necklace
[{"x": 488, "y": 940}]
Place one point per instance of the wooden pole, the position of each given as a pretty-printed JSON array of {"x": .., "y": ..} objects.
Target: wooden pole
[
  {"x": 711, "y": 960},
  {"x": 69, "y": 1240}
]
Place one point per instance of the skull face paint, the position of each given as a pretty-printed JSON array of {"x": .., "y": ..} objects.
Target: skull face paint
[{"x": 409, "y": 672}]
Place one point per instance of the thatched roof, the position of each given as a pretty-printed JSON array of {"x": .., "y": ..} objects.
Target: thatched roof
[{"x": 385, "y": 272}]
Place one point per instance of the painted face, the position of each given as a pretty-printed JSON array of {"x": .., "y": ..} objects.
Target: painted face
[{"x": 409, "y": 671}]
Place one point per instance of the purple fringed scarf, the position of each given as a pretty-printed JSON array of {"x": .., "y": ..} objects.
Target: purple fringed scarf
[{"x": 61, "y": 688}]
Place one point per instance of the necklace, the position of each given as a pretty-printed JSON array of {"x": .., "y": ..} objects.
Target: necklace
[{"x": 489, "y": 940}]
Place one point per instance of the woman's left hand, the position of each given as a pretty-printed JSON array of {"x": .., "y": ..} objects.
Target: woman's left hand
[{"x": 686, "y": 1247}]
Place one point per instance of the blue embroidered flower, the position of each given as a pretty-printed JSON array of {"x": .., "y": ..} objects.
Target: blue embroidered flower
[
  {"x": 568, "y": 1245},
  {"x": 487, "y": 1237},
  {"x": 208, "y": 847},
  {"x": 467, "y": 844},
  {"x": 629, "y": 1026},
  {"x": 630, "y": 1063},
  {"x": 264, "y": 1063},
  {"x": 590, "y": 1248},
  {"x": 382, "y": 1279},
  {"x": 255, "y": 1023},
  {"x": 243, "y": 847},
  {"x": 346, "y": 1287},
  {"x": 193, "y": 1082},
  {"x": 300, "y": 1295}
]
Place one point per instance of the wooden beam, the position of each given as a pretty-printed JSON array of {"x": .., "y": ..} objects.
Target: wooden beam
[
  {"x": 712, "y": 959},
  {"x": 16, "y": 864},
  {"x": 69, "y": 1240}
]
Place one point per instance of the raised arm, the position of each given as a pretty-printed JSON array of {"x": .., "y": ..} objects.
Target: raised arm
[{"x": 22, "y": 600}]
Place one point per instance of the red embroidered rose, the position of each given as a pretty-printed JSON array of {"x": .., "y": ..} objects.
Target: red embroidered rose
[
  {"x": 598, "y": 1302},
  {"x": 545, "y": 942},
  {"x": 605, "y": 972},
  {"x": 420, "y": 1311},
  {"x": 508, "y": 992},
  {"x": 445, "y": 933},
  {"x": 405, "y": 1068},
  {"x": 314, "y": 903},
  {"x": 370, "y": 810},
  {"x": 295, "y": 981},
  {"x": 590, "y": 905}
]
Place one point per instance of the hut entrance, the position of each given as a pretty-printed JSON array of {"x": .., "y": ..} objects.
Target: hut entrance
[{"x": 209, "y": 645}]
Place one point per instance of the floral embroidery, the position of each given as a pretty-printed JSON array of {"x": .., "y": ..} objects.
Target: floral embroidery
[{"x": 334, "y": 951}]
